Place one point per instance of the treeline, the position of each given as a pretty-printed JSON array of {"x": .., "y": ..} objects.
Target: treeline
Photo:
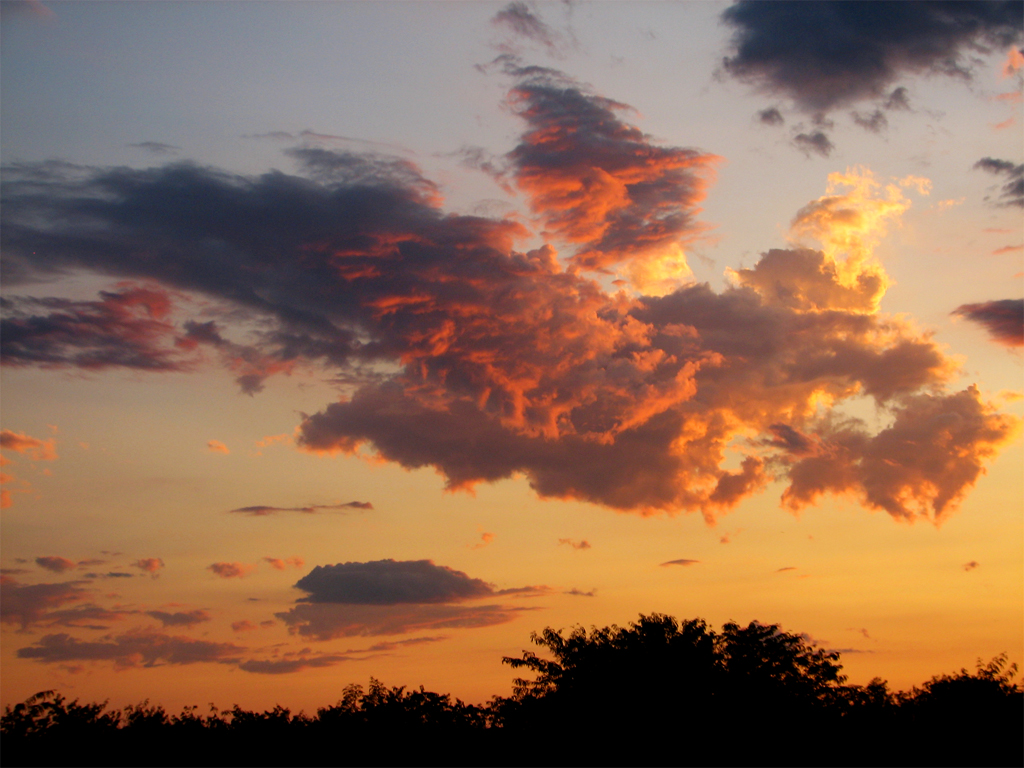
[{"x": 658, "y": 692}]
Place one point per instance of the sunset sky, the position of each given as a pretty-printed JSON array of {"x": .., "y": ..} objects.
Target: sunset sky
[{"x": 352, "y": 339}]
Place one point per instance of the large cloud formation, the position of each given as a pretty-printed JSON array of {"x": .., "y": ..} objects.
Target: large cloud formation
[
  {"x": 484, "y": 361},
  {"x": 387, "y": 597},
  {"x": 830, "y": 54}
]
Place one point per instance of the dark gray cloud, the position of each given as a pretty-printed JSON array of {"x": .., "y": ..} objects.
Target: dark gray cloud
[
  {"x": 814, "y": 143},
  {"x": 260, "y": 510},
  {"x": 1012, "y": 192},
  {"x": 180, "y": 618},
  {"x": 289, "y": 665},
  {"x": 55, "y": 564},
  {"x": 876, "y": 121},
  {"x": 387, "y": 582},
  {"x": 1003, "y": 319},
  {"x": 156, "y": 147},
  {"x": 828, "y": 54},
  {"x": 771, "y": 116},
  {"x": 133, "y": 649},
  {"x": 683, "y": 561},
  {"x": 519, "y": 19}
]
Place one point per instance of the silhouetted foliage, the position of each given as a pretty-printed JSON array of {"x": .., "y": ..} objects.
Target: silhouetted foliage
[{"x": 658, "y": 692}]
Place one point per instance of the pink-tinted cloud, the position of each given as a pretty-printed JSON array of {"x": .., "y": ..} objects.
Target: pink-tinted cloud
[
  {"x": 55, "y": 564},
  {"x": 231, "y": 570},
  {"x": 1004, "y": 319},
  {"x": 151, "y": 565},
  {"x": 1007, "y": 249},
  {"x": 280, "y": 565}
]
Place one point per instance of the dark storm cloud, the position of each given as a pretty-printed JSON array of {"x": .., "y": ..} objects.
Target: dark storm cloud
[
  {"x": 815, "y": 142},
  {"x": 261, "y": 510},
  {"x": 829, "y": 54},
  {"x": 1012, "y": 192},
  {"x": 133, "y": 649},
  {"x": 1004, "y": 319},
  {"x": 488, "y": 361},
  {"x": 386, "y": 582}
]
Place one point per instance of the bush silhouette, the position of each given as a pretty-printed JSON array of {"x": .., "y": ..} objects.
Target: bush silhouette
[{"x": 657, "y": 692}]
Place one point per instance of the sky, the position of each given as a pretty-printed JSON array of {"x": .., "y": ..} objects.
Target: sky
[{"x": 344, "y": 340}]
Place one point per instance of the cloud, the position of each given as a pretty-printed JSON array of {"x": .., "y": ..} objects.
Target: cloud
[
  {"x": 180, "y": 618},
  {"x": 582, "y": 544},
  {"x": 971, "y": 565},
  {"x": 19, "y": 442},
  {"x": 771, "y": 116},
  {"x": 55, "y": 564},
  {"x": 826, "y": 55},
  {"x": 875, "y": 122},
  {"x": 1003, "y": 319},
  {"x": 216, "y": 446},
  {"x": 1007, "y": 249},
  {"x": 520, "y": 20},
  {"x": 261, "y": 510},
  {"x": 787, "y": 568},
  {"x": 280, "y": 565},
  {"x": 816, "y": 143},
  {"x": 28, "y": 604},
  {"x": 681, "y": 562},
  {"x": 386, "y": 597},
  {"x": 1014, "y": 62},
  {"x": 601, "y": 184},
  {"x": 133, "y": 649},
  {"x": 580, "y": 593},
  {"x": 290, "y": 665},
  {"x": 326, "y": 621},
  {"x": 124, "y": 329},
  {"x": 231, "y": 570},
  {"x": 156, "y": 147},
  {"x": 462, "y": 353},
  {"x": 387, "y": 582},
  {"x": 1012, "y": 192},
  {"x": 152, "y": 565},
  {"x": 485, "y": 539}
]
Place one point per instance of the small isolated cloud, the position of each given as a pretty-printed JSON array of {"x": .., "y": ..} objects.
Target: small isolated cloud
[
  {"x": 1007, "y": 249},
  {"x": 971, "y": 565},
  {"x": 787, "y": 568},
  {"x": 19, "y": 442},
  {"x": 216, "y": 446},
  {"x": 280, "y": 565},
  {"x": 580, "y": 593},
  {"x": 143, "y": 648},
  {"x": 683, "y": 561},
  {"x": 231, "y": 570},
  {"x": 813, "y": 143},
  {"x": 771, "y": 116},
  {"x": 1014, "y": 62},
  {"x": 1003, "y": 319},
  {"x": 295, "y": 664},
  {"x": 485, "y": 539},
  {"x": 156, "y": 147},
  {"x": 180, "y": 618},
  {"x": 898, "y": 99},
  {"x": 826, "y": 55},
  {"x": 1011, "y": 194},
  {"x": 875, "y": 122},
  {"x": 386, "y": 597},
  {"x": 581, "y": 544},
  {"x": 152, "y": 565},
  {"x": 55, "y": 564},
  {"x": 262, "y": 510}
]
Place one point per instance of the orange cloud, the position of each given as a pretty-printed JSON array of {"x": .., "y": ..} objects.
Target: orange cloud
[
  {"x": 38, "y": 450},
  {"x": 1007, "y": 249},
  {"x": 231, "y": 570},
  {"x": 149, "y": 564},
  {"x": 1014, "y": 61},
  {"x": 55, "y": 564},
  {"x": 216, "y": 446},
  {"x": 280, "y": 565}
]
